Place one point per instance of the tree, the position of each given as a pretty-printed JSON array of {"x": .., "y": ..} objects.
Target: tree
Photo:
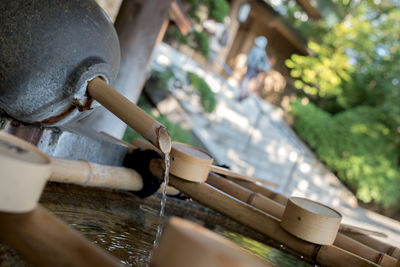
[{"x": 355, "y": 66}]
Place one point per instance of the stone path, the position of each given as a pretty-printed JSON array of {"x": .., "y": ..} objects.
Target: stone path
[{"x": 253, "y": 139}]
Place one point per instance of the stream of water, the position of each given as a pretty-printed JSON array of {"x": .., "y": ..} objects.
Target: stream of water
[{"x": 162, "y": 205}]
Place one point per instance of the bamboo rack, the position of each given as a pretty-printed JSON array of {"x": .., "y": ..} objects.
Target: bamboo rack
[
  {"x": 376, "y": 244},
  {"x": 359, "y": 234},
  {"x": 267, "y": 225},
  {"x": 262, "y": 198},
  {"x": 276, "y": 210}
]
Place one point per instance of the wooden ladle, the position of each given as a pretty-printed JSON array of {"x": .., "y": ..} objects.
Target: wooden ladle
[{"x": 34, "y": 232}]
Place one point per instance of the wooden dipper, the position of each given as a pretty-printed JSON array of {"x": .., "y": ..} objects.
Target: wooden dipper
[
  {"x": 30, "y": 229},
  {"x": 190, "y": 163},
  {"x": 184, "y": 244},
  {"x": 193, "y": 164},
  {"x": 311, "y": 221},
  {"x": 24, "y": 172}
]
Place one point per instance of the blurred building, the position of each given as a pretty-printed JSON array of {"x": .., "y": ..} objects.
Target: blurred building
[{"x": 252, "y": 18}]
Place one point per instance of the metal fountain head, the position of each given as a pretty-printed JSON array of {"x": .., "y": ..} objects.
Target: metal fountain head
[{"x": 49, "y": 51}]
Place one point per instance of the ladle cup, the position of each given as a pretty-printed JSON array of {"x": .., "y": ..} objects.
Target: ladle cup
[{"x": 24, "y": 172}]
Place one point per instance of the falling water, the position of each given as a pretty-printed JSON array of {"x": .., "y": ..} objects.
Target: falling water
[{"x": 163, "y": 202}]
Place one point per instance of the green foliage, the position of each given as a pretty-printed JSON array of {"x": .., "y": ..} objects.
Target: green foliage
[
  {"x": 174, "y": 34},
  {"x": 357, "y": 146},
  {"x": 175, "y": 130},
  {"x": 219, "y": 9},
  {"x": 202, "y": 42},
  {"x": 208, "y": 99},
  {"x": 353, "y": 76},
  {"x": 356, "y": 62},
  {"x": 214, "y": 9},
  {"x": 161, "y": 78}
]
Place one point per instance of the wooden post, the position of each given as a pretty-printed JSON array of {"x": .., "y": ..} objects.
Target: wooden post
[
  {"x": 138, "y": 25},
  {"x": 44, "y": 240},
  {"x": 233, "y": 27}
]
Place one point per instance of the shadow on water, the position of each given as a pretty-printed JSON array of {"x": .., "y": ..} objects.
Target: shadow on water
[{"x": 126, "y": 226}]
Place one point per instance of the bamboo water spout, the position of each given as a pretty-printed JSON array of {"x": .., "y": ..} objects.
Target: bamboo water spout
[{"x": 132, "y": 115}]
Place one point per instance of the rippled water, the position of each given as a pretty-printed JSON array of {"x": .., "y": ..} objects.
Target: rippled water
[
  {"x": 127, "y": 229},
  {"x": 132, "y": 242}
]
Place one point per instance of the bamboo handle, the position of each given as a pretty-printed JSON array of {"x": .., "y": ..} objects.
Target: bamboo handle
[
  {"x": 143, "y": 144},
  {"x": 231, "y": 174},
  {"x": 86, "y": 173},
  {"x": 281, "y": 199},
  {"x": 346, "y": 229},
  {"x": 359, "y": 230},
  {"x": 44, "y": 240},
  {"x": 131, "y": 114},
  {"x": 254, "y": 199},
  {"x": 121, "y": 142},
  {"x": 376, "y": 244}
]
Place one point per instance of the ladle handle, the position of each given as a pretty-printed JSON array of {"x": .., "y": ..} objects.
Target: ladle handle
[
  {"x": 86, "y": 173},
  {"x": 44, "y": 240},
  {"x": 132, "y": 115},
  {"x": 231, "y": 174}
]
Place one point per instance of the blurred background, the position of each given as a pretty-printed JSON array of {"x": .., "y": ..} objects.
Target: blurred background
[{"x": 321, "y": 118}]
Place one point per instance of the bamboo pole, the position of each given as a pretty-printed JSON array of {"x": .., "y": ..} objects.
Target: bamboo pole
[
  {"x": 281, "y": 199},
  {"x": 261, "y": 198},
  {"x": 376, "y": 244},
  {"x": 130, "y": 147},
  {"x": 267, "y": 225},
  {"x": 275, "y": 209},
  {"x": 255, "y": 199},
  {"x": 236, "y": 176},
  {"x": 137, "y": 142},
  {"x": 132, "y": 115},
  {"x": 359, "y": 234},
  {"x": 44, "y": 240},
  {"x": 91, "y": 174},
  {"x": 359, "y": 230}
]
